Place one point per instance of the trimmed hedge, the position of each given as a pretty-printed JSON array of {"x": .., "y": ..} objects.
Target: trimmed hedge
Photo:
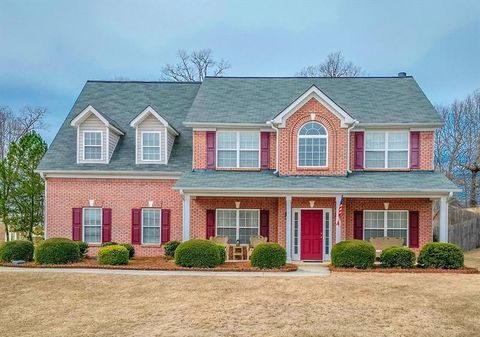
[
  {"x": 113, "y": 255},
  {"x": 353, "y": 254},
  {"x": 398, "y": 257},
  {"x": 57, "y": 251},
  {"x": 16, "y": 250},
  {"x": 130, "y": 248},
  {"x": 83, "y": 247},
  {"x": 110, "y": 243},
  {"x": 197, "y": 253},
  {"x": 268, "y": 256},
  {"x": 170, "y": 248},
  {"x": 441, "y": 255},
  {"x": 222, "y": 251}
]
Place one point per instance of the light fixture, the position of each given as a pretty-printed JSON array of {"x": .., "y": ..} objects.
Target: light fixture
[
  {"x": 91, "y": 202},
  {"x": 386, "y": 204},
  {"x": 237, "y": 204},
  {"x": 312, "y": 203},
  {"x": 150, "y": 203}
]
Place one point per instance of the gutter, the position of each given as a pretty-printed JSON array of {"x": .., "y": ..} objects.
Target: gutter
[
  {"x": 355, "y": 123},
  {"x": 271, "y": 123},
  {"x": 108, "y": 174}
]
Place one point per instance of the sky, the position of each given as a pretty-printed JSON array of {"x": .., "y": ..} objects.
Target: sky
[{"x": 49, "y": 49}]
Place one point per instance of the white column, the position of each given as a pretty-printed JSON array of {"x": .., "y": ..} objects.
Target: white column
[
  {"x": 338, "y": 229},
  {"x": 288, "y": 228},
  {"x": 186, "y": 217},
  {"x": 443, "y": 230}
]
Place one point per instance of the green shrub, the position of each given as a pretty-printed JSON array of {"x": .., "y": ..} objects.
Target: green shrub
[
  {"x": 16, "y": 250},
  {"x": 113, "y": 255},
  {"x": 268, "y": 256},
  {"x": 353, "y": 253},
  {"x": 131, "y": 250},
  {"x": 111, "y": 243},
  {"x": 394, "y": 257},
  {"x": 83, "y": 247},
  {"x": 197, "y": 253},
  {"x": 223, "y": 253},
  {"x": 441, "y": 255},
  {"x": 57, "y": 251},
  {"x": 170, "y": 248}
]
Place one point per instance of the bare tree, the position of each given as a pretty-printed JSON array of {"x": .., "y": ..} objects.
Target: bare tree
[
  {"x": 333, "y": 66},
  {"x": 194, "y": 66}
]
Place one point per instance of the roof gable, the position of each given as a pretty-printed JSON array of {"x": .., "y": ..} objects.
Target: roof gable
[
  {"x": 151, "y": 111},
  {"x": 90, "y": 110}
]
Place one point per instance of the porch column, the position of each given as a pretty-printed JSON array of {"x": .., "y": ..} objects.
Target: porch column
[
  {"x": 288, "y": 229},
  {"x": 338, "y": 228},
  {"x": 186, "y": 218},
  {"x": 443, "y": 230}
]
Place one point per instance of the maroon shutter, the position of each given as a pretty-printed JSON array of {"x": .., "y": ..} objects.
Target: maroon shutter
[
  {"x": 413, "y": 229},
  {"x": 165, "y": 225},
  {"x": 264, "y": 220},
  {"x": 106, "y": 225},
  {"x": 136, "y": 225},
  {"x": 414, "y": 149},
  {"x": 359, "y": 141},
  {"x": 210, "y": 223},
  {"x": 265, "y": 150},
  {"x": 211, "y": 149},
  {"x": 358, "y": 225},
  {"x": 77, "y": 224}
]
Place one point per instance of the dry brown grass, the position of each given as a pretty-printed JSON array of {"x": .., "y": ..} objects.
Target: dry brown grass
[
  {"x": 472, "y": 258},
  {"x": 344, "y": 304}
]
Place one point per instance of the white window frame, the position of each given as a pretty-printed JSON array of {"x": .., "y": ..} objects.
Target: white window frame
[
  {"x": 160, "y": 227},
  {"x": 386, "y": 150},
  {"x": 101, "y": 145},
  {"x": 237, "y": 220},
  {"x": 237, "y": 149},
  {"x": 101, "y": 224},
  {"x": 385, "y": 221},
  {"x": 159, "y": 147},
  {"x": 312, "y": 136}
]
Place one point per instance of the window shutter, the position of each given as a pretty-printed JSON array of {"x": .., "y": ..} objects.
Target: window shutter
[
  {"x": 136, "y": 225},
  {"x": 211, "y": 149},
  {"x": 264, "y": 219},
  {"x": 414, "y": 149},
  {"x": 165, "y": 225},
  {"x": 106, "y": 225},
  {"x": 359, "y": 144},
  {"x": 265, "y": 150},
  {"x": 358, "y": 225},
  {"x": 413, "y": 229},
  {"x": 210, "y": 232},
  {"x": 77, "y": 224}
]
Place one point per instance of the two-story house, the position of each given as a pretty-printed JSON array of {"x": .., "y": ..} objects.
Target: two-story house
[{"x": 306, "y": 162}]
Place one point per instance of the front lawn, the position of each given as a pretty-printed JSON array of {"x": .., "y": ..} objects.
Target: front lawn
[{"x": 344, "y": 304}]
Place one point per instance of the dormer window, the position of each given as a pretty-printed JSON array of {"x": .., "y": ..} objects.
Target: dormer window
[
  {"x": 151, "y": 146},
  {"x": 92, "y": 145}
]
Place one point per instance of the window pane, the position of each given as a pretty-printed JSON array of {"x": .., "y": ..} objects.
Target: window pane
[
  {"x": 93, "y": 152},
  {"x": 227, "y": 158},
  {"x": 248, "y": 219},
  {"x": 231, "y": 233},
  {"x": 375, "y": 141},
  {"x": 374, "y": 220},
  {"x": 151, "y": 226},
  {"x": 151, "y": 234},
  {"x": 312, "y": 151},
  {"x": 246, "y": 233},
  {"x": 226, "y": 140},
  {"x": 248, "y": 158},
  {"x": 151, "y": 139},
  {"x": 151, "y": 153},
  {"x": 398, "y": 141},
  {"x": 373, "y": 233},
  {"x": 93, "y": 234},
  {"x": 397, "y": 225},
  {"x": 397, "y": 159},
  {"x": 312, "y": 129},
  {"x": 374, "y": 159},
  {"x": 295, "y": 232},
  {"x": 93, "y": 138},
  {"x": 249, "y": 140},
  {"x": 226, "y": 218},
  {"x": 92, "y": 224}
]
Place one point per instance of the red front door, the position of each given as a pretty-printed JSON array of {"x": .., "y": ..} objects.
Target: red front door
[{"x": 312, "y": 235}]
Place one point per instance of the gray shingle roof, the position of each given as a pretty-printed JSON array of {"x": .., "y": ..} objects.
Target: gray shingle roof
[
  {"x": 121, "y": 102},
  {"x": 257, "y": 100},
  {"x": 416, "y": 181}
]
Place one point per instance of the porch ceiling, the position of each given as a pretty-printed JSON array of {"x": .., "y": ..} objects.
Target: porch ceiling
[{"x": 426, "y": 183}]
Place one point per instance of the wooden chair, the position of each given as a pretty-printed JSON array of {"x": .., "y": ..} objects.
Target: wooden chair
[
  {"x": 381, "y": 243},
  {"x": 254, "y": 242}
]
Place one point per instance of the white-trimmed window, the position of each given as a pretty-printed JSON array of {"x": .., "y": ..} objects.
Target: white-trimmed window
[
  {"x": 238, "y": 224},
  {"x": 385, "y": 224},
  {"x": 92, "y": 145},
  {"x": 386, "y": 149},
  {"x": 312, "y": 145},
  {"x": 237, "y": 149},
  {"x": 151, "y": 222},
  {"x": 151, "y": 146},
  {"x": 92, "y": 225}
]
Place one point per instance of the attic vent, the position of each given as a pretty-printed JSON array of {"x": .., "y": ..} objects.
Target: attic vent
[{"x": 402, "y": 74}]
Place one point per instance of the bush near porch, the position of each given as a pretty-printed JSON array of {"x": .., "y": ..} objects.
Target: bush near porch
[
  {"x": 398, "y": 257},
  {"x": 57, "y": 251},
  {"x": 441, "y": 255},
  {"x": 198, "y": 253},
  {"x": 353, "y": 254},
  {"x": 269, "y": 256},
  {"x": 113, "y": 255}
]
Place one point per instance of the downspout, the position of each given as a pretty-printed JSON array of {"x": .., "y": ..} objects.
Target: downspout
[
  {"x": 276, "y": 145},
  {"x": 355, "y": 123},
  {"x": 45, "y": 210}
]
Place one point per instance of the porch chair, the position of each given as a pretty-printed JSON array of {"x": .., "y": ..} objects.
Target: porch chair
[
  {"x": 381, "y": 243},
  {"x": 221, "y": 240},
  {"x": 254, "y": 242}
]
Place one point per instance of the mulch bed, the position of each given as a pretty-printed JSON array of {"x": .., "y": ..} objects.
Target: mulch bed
[
  {"x": 416, "y": 270},
  {"x": 153, "y": 263}
]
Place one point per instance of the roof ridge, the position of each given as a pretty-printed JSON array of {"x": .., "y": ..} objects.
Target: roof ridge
[
  {"x": 159, "y": 82},
  {"x": 304, "y": 77}
]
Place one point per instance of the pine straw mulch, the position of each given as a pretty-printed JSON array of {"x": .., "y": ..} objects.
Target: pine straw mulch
[
  {"x": 153, "y": 263},
  {"x": 415, "y": 270}
]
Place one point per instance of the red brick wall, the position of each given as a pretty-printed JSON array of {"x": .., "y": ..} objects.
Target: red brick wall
[
  {"x": 337, "y": 141},
  {"x": 199, "y": 150},
  {"x": 121, "y": 195}
]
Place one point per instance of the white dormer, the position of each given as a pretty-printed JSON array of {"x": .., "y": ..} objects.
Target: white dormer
[
  {"x": 154, "y": 137},
  {"x": 97, "y": 136}
]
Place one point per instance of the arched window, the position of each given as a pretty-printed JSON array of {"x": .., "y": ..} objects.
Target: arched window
[{"x": 312, "y": 145}]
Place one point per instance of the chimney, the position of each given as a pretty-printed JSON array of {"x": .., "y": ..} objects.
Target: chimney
[{"x": 402, "y": 74}]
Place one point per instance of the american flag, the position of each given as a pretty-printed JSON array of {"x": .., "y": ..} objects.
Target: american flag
[{"x": 340, "y": 210}]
